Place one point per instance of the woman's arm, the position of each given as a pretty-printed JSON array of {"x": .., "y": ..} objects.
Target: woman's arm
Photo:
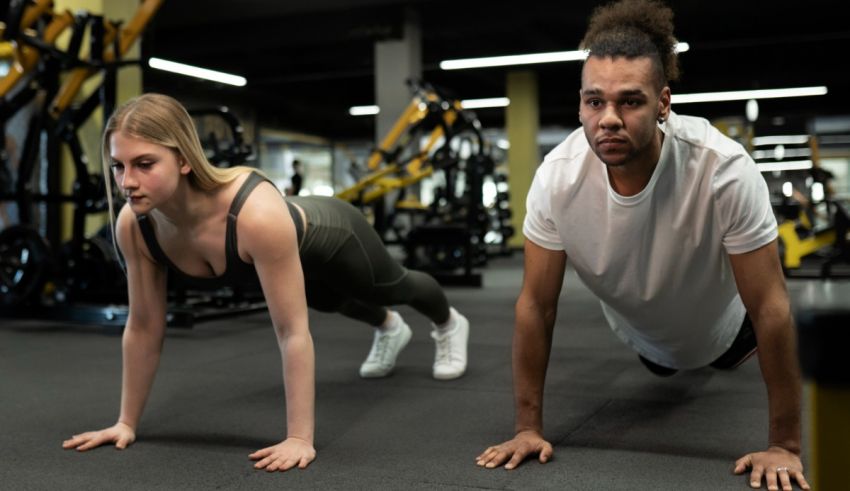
[
  {"x": 142, "y": 340},
  {"x": 267, "y": 237}
]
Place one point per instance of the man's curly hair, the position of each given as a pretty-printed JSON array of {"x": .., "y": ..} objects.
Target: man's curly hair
[{"x": 632, "y": 29}]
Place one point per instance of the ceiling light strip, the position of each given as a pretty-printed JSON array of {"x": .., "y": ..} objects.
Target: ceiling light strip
[
  {"x": 466, "y": 104},
  {"x": 198, "y": 72},
  {"x": 740, "y": 95},
  {"x": 780, "y": 140},
  {"x": 527, "y": 59},
  {"x": 487, "y": 102},
  {"x": 781, "y": 166},
  {"x": 364, "y": 110}
]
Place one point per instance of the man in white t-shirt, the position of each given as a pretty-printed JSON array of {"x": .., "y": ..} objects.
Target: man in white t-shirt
[{"x": 669, "y": 223}]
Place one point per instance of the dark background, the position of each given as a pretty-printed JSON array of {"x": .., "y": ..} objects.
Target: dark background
[{"x": 308, "y": 62}]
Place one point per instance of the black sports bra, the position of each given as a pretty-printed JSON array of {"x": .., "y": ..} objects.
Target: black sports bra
[{"x": 238, "y": 274}]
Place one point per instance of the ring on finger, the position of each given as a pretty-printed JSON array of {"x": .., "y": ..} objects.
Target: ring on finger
[{"x": 781, "y": 469}]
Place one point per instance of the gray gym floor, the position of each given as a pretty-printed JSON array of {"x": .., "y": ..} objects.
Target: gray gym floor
[{"x": 219, "y": 396}]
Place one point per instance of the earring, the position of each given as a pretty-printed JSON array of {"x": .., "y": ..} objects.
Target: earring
[{"x": 660, "y": 119}]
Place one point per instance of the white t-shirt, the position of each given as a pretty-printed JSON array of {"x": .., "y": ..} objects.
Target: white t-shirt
[{"x": 658, "y": 260}]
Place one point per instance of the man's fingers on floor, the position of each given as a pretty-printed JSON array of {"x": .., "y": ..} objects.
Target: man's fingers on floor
[
  {"x": 770, "y": 478},
  {"x": 801, "y": 480},
  {"x": 742, "y": 464},
  {"x": 756, "y": 475}
]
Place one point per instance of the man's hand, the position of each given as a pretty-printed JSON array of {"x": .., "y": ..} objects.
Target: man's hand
[
  {"x": 120, "y": 434},
  {"x": 285, "y": 455},
  {"x": 523, "y": 444},
  {"x": 775, "y": 465}
]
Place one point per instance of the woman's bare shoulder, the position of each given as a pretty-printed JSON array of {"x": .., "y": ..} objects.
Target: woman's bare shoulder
[
  {"x": 264, "y": 219},
  {"x": 129, "y": 235}
]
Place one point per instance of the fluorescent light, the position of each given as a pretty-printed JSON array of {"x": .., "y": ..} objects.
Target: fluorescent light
[
  {"x": 193, "y": 71},
  {"x": 528, "y": 59},
  {"x": 788, "y": 152},
  {"x": 364, "y": 110},
  {"x": 488, "y": 102},
  {"x": 780, "y": 140},
  {"x": 789, "y": 165},
  {"x": 739, "y": 95},
  {"x": 467, "y": 104}
]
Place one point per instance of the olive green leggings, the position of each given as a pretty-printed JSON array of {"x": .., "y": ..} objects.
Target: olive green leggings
[{"x": 348, "y": 270}]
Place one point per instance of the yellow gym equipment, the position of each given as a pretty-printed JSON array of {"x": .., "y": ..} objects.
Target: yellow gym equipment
[{"x": 401, "y": 160}]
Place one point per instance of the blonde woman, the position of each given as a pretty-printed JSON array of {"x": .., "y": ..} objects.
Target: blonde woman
[{"x": 212, "y": 227}]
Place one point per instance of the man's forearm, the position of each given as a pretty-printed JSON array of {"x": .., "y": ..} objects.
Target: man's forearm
[
  {"x": 781, "y": 372},
  {"x": 531, "y": 346}
]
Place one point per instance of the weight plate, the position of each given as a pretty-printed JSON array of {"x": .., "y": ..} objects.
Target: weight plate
[{"x": 24, "y": 265}]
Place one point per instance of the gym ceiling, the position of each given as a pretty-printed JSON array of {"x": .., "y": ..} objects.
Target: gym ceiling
[{"x": 308, "y": 62}]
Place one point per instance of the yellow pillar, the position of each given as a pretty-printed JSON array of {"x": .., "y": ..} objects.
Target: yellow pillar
[
  {"x": 522, "y": 122},
  {"x": 829, "y": 434},
  {"x": 129, "y": 85},
  {"x": 822, "y": 340}
]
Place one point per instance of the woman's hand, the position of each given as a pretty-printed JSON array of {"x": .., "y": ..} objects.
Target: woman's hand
[
  {"x": 120, "y": 434},
  {"x": 285, "y": 455}
]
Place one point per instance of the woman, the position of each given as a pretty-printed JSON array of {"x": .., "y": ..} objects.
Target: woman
[{"x": 301, "y": 251}]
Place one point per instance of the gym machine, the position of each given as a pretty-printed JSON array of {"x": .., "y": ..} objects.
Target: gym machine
[
  {"x": 80, "y": 281},
  {"x": 39, "y": 276},
  {"x": 812, "y": 223},
  {"x": 434, "y": 134},
  {"x": 222, "y": 136}
]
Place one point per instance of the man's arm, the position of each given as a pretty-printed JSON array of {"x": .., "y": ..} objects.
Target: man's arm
[
  {"x": 761, "y": 285},
  {"x": 536, "y": 310}
]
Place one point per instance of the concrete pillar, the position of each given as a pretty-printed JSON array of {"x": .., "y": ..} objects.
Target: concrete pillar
[
  {"x": 396, "y": 61},
  {"x": 522, "y": 123}
]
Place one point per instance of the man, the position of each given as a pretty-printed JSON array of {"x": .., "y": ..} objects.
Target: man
[
  {"x": 297, "y": 179},
  {"x": 669, "y": 223}
]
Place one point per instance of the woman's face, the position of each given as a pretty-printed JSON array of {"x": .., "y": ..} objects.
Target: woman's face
[{"x": 147, "y": 173}]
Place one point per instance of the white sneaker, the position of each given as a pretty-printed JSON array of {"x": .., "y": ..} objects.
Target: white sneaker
[
  {"x": 385, "y": 349},
  {"x": 450, "y": 359}
]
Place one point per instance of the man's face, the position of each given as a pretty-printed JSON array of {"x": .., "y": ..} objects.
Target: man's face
[{"x": 620, "y": 107}]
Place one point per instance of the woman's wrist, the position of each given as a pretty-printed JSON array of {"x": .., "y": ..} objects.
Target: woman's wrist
[
  {"x": 131, "y": 427},
  {"x": 308, "y": 441}
]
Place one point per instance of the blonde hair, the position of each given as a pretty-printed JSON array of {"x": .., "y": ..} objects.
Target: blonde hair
[{"x": 161, "y": 119}]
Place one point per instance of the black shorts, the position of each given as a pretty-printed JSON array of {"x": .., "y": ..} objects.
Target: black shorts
[{"x": 743, "y": 347}]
